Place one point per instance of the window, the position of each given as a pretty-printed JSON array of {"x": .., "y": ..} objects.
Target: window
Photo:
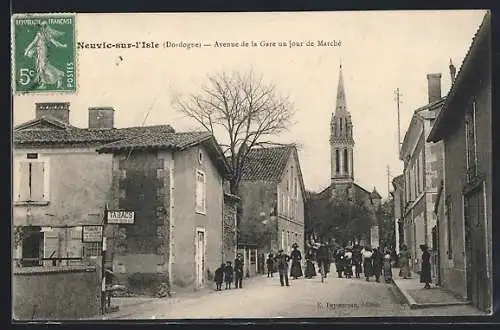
[
  {"x": 422, "y": 171},
  {"x": 200, "y": 192},
  {"x": 337, "y": 160},
  {"x": 470, "y": 141},
  {"x": 31, "y": 179},
  {"x": 200, "y": 156},
  {"x": 346, "y": 164},
  {"x": 447, "y": 215},
  {"x": 282, "y": 239},
  {"x": 417, "y": 167}
]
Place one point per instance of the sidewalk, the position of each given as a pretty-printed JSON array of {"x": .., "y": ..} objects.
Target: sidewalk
[
  {"x": 127, "y": 305},
  {"x": 417, "y": 297}
]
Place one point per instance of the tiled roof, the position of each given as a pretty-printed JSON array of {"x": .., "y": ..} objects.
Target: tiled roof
[
  {"x": 266, "y": 164},
  {"x": 67, "y": 134},
  {"x": 179, "y": 140}
]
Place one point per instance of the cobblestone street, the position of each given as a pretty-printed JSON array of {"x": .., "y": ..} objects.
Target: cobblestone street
[{"x": 265, "y": 298}]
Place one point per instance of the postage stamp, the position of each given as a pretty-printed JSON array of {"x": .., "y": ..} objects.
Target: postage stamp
[{"x": 43, "y": 53}]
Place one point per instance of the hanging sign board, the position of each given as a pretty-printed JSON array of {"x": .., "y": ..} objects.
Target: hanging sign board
[
  {"x": 121, "y": 217},
  {"x": 91, "y": 234}
]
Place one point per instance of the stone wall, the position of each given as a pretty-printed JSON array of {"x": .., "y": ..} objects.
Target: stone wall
[{"x": 55, "y": 293}]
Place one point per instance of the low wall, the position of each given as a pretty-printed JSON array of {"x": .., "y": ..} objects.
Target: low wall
[{"x": 55, "y": 293}]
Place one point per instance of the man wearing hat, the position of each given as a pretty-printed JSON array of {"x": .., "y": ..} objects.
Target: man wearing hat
[
  {"x": 238, "y": 270},
  {"x": 282, "y": 262}
]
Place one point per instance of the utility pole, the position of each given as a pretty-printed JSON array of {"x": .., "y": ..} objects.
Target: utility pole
[
  {"x": 388, "y": 181},
  {"x": 398, "y": 102}
]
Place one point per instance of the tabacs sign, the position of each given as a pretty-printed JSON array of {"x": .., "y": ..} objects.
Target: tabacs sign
[{"x": 121, "y": 217}]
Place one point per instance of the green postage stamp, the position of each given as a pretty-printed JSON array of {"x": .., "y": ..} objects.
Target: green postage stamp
[{"x": 44, "y": 52}]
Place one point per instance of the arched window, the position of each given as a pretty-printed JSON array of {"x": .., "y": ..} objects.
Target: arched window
[
  {"x": 346, "y": 165},
  {"x": 337, "y": 160}
]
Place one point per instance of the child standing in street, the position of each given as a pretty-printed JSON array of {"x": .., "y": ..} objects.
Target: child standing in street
[
  {"x": 219, "y": 277},
  {"x": 228, "y": 275}
]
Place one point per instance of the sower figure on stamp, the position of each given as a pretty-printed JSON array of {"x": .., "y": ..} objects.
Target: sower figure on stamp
[
  {"x": 238, "y": 271},
  {"x": 46, "y": 73},
  {"x": 282, "y": 261},
  {"x": 219, "y": 277},
  {"x": 270, "y": 265},
  {"x": 228, "y": 275}
]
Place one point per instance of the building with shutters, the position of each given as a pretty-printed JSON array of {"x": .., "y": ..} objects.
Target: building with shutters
[
  {"x": 464, "y": 203},
  {"x": 61, "y": 184}
]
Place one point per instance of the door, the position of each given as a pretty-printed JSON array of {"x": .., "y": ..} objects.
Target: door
[
  {"x": 478, "y": 290},
  {"x": 200, "y": 257},
  {"x": 32, "y": 247}
]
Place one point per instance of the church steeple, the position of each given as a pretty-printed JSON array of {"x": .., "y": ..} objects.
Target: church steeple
[
  {"x": 341, "y": 105},
  {"x": 341, "y": 138}
]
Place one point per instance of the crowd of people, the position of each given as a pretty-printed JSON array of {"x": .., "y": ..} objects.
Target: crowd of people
[{"x": 350, "y": 261}]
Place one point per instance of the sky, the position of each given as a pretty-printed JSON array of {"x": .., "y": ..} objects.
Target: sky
[{"x": 379, "y": 50}]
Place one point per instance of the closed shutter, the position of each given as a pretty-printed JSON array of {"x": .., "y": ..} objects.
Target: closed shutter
[
  {"x": 24, "y": 181},
  {"x": 51, "y": 245},
  {"x": 37, "y": 181},
  {"x": 75, "y": 243}
]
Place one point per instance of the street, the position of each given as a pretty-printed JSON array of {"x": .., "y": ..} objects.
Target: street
[{"x": 264, "y": 297}]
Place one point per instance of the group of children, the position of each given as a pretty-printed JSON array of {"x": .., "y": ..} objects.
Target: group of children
[{"x": 224, "y": 274}]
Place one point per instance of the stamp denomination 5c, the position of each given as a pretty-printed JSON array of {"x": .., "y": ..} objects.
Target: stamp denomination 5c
[{"x": 44, "y": 53}]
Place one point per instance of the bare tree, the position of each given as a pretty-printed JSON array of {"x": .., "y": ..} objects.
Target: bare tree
[{"x": 243, "y": 109}]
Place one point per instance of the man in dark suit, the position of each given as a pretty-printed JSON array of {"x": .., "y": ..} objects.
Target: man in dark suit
[
  {"x": 282, "y": 262},
  {"x": 238, "y": 271}
]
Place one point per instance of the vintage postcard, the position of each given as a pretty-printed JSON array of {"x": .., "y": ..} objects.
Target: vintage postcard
[{"x": 251, "y": 165}]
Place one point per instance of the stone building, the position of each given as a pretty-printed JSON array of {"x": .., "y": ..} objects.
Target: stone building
[
  {"x": 464, "y": 206},
  {"x": 343, "y": 185},
  {"x": 398, "y": 195},
  {"x": 174, "y": 184},
  {"x": 422, "y": 162},
  {"x": 272, "y": 193}
]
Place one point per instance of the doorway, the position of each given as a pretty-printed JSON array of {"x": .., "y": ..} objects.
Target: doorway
[
  {"x": 32, "y": 247},
  {"x": 478, "y": 286},
  {"x": 200, "y": 257}
]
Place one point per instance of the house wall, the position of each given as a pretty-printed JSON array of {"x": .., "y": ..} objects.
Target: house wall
[
  {"x": 187, "y": 220},
  {"x": 290, "y": 220},
  {"x": 42, "y": 293},
  {"x": 79, "y": 182},
  {"x": 454, "y": 270},
  {"x": 78, "y": 185},
  {"x": 137, "y": 248}
]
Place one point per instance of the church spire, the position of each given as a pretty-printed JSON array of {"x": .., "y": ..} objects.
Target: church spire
[{"x": 341, "y": 101}]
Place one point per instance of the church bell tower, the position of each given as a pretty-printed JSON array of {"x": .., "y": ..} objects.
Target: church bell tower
[{"x": 341, "y": 141}]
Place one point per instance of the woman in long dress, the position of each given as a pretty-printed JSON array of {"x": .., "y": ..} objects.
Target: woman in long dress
[
  {"x": 366, "y": 254},
  {"x": 46, "y": 73},
  {"x": 404, "y": 262},
  {"x": 310, "y": 269},
  {"x": 425, "y": 272},
  {"x": 296, "y": 257},
  {"x": 387, "y": 267}
]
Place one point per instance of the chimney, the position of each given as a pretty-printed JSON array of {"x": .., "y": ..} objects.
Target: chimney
[
  {"x": 434, "y": 86},
  {"x": 453, "y": 71},
  {"x": 57, "y": 110},
  {"x": 101, "y": 117}
]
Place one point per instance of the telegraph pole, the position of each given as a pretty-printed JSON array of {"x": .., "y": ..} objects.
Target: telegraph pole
[
  {"x": 388, "y": 181},
  {"x": 398, "y": 102}
]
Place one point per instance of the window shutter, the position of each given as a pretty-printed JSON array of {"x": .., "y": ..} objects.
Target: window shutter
[
  {"x": 75, "y": 243},
  {"x": 37, "y": 181},
  {"x": 24, "y": 189},
  {"x": 51, "y": 243}
]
